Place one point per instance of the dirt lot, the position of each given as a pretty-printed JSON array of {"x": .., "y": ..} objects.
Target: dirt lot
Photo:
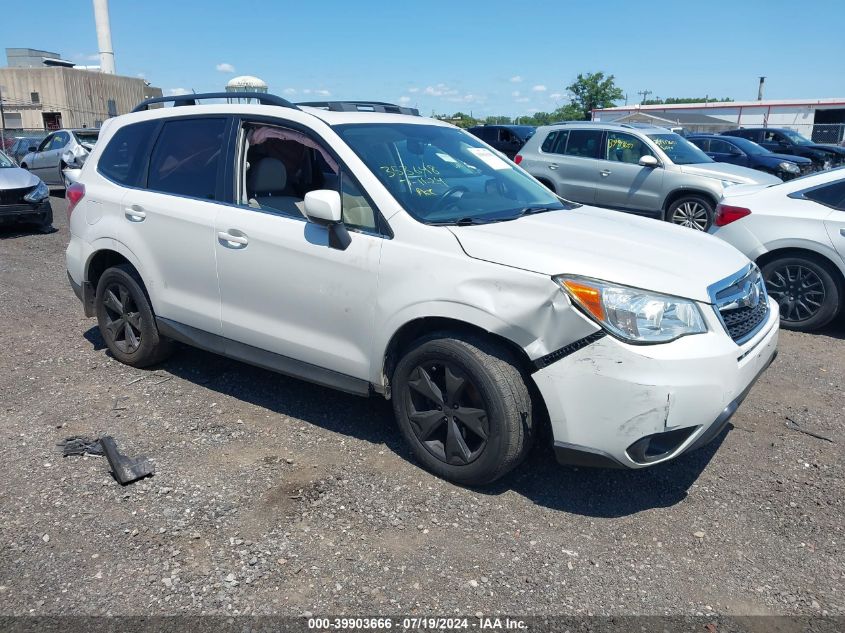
[{"x": 275, "y": 496}]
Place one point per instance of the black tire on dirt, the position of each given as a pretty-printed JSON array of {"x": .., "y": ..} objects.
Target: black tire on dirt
[
  {"x": 463, "y": 406},
  {"x": 126, "y": 318},
  {"x": 806, "y": 290},
  {"x": 695, "y": 212}
]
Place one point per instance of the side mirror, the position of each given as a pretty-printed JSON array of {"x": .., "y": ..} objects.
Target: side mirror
[
  {"x": 648, "y": 161},
  {"x": 323, "y": 207},
  {"x": 32, "y": 148}
]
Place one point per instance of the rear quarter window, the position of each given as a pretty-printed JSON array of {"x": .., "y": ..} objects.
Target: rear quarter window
[{"x": 124, "y": 158}]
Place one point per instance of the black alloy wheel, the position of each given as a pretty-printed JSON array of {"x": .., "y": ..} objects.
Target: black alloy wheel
[
  {"x": 447, "y": 413},
  {"x": 123, "y": 319},
  {"x": 806, "y": 291}
]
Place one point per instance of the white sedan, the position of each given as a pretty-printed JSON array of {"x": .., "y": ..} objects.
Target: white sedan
[{"x": 795, "y": 231}]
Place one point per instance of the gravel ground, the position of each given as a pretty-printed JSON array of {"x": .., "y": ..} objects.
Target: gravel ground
[{"x": 273, "y": 496}]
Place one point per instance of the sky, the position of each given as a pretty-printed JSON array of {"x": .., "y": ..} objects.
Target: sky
[{"x": 481, "y": 57}]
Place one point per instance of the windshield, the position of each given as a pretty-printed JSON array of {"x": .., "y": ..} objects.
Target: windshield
[
  {"x": 679, "y": 150},
  {"x": 87, "y": 137},
  {"x": 749, "y": 147},
  {"x": 5, "y": 161},
  {"x": 796, "y": 138},
  {"x": 443, "y": 175}
]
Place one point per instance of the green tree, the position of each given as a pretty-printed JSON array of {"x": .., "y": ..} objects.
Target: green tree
[{"x": 593, "y": 90}]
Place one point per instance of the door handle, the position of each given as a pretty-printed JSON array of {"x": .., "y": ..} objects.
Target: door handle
[
  {"x": 134, "y": 213},
  {"x": 553, "y": 166},
  {"x": 605, "y": 173},
  {"x": 232, "y": 241}
]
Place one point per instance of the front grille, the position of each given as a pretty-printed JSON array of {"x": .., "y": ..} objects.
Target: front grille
[
  {"x": 742, "y": 303},
  {"x": 741, "y": 321},
  {"x": 14, "y": 196}
]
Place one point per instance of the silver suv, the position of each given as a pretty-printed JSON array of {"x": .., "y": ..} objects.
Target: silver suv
[{"x": 642, "y": 169}]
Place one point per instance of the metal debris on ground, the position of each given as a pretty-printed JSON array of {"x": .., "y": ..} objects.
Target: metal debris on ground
[
  {"x": 125, "y": 469},
  {"x": 78, "y": 445},
  {"x": 792, "y": 424}
]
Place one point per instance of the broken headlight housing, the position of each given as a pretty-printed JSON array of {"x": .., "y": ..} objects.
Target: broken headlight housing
[
  {"x": 631, "y": 314},
  {"x": 38, "y": 194}
]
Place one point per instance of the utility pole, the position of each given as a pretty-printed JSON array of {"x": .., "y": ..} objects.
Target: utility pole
[
  {"x": 644, "y": 94},
  {"x": 2, "y": 123},
  {"x": 760, "y": 89}
]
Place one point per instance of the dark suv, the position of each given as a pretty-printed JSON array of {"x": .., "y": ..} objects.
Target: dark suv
[
  {"x": 785, "y": 141},
  {"x": 741, "y": 151},
  {"x": 508, "y": 139}
]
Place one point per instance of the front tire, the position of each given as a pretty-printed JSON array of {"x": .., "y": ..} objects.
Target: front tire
[
  {"x": 808, "y": 294},
  {"x": 695, "y": 212},
  {"x": 126, "y": 318},
  {"x": 463, "y": 406}
]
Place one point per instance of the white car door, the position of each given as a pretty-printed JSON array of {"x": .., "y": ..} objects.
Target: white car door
[
  {"x": 169, "y": 222},
  {"x": 283, "y": 289}
]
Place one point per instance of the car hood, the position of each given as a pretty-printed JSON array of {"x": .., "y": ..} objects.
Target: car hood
[
  {"x": 607, "y": 245},
  {"x": 16, "y": 178},
  {"x": 792, "y": 158},
  {"x": 728, "y": 171}
]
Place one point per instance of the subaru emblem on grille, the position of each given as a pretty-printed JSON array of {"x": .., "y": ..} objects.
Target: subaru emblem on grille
[{"x": 752, "y": 296}]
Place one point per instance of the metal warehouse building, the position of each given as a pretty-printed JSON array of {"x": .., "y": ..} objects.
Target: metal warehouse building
[
  {"x": 42, "y": 91},
  {"x": 822, "y": 120}
]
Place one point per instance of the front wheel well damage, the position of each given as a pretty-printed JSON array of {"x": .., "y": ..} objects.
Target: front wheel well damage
[{"x": 405, "y": 336}]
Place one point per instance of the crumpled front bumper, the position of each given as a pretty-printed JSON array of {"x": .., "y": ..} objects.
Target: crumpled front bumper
[{"x": 630, "y": 406}]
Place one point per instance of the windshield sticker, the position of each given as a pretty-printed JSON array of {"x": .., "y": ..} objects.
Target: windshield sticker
[
  {"x": 445, "y": 157},
  {"x": 488, "y": 157},
  {"x": 425, "y": 192}
]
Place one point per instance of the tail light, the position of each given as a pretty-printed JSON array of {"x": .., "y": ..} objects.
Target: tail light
[
  {"x": 725, "y": 214},
  {"x": 73, "y": 195},
  {"x": 517, "y": 159}
]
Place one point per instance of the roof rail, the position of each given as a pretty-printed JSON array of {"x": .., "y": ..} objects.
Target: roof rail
[
  {"x": 360, "y": 106},
  {"x": 191, "y": 99},
  {"x": 593, "y": 123}
]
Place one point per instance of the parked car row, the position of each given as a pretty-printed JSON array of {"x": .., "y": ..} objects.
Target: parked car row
[
  {"x": 508, "y": 139},
  {"x": 636, "y": 168},
  {"x": 741, "y": 151},
  {"x": 785, "y": 141}
]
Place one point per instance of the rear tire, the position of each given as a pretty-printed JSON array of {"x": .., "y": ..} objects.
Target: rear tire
[
  {"x": 463, "y": 407},
  {"x": 126, "y": 319},
  {"x": 806, "y": 290},
  {"x": 695, "y": 212}
]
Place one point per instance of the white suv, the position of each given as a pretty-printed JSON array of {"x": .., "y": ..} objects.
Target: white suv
[{"x": 386, "y": 253}]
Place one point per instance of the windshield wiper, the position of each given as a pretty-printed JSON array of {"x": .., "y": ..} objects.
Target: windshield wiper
[{"x": 462, "y": 222}]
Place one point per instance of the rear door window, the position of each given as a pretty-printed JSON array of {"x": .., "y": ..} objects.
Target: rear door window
[
  {"x": 584, "y": 143},
  {"x": 186, "y": 158},
  {"x": 123, "y": 160},
  {"x": 720, "y": 147}
]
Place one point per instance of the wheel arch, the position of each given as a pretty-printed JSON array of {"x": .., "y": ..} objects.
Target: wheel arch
[
  {"x": 99, "y": 261},
  {"x": 420, "y": 326},
  {"x": 819, "y": 256},
  {"x": 677, "y": 194}
]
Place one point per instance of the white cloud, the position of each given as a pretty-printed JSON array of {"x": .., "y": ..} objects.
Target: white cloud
[
  {"x": 177, "y": 91},
  {"x": 225, "y": 68},
  {"x": 440, "y": 90},
  {"x": 323, "y": 93},
  {"x": 289, "y": 91},
  {"x": 414, "y": 89},
  {"x": 516, "y": 79},
  {"x": 539, "y": 88},
  {"x": 515, "y": 93},
  {"x": 523, "y": 100},
  {"x": 555, "y": 96},
  {"x": 404, "y": 99}
]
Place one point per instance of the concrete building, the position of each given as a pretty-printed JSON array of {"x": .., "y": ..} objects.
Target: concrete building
[
  {"x": 42, "y": 91},
  {"x": 822, "y": 120}
]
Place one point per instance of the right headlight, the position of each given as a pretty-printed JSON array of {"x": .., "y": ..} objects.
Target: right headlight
[
  {"x": 38, "y": 194},
  {"x": 632, "y": 314},
  {"x": 791, "y": 168}
]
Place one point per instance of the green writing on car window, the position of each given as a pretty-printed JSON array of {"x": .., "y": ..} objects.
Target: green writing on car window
[
  {"x": 619, "y": 143},
  {"x": 665, "y": 144},
  {"x": 415, "y": 176}
]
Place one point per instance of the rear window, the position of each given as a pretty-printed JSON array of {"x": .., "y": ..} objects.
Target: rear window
[
  {"x": 124, "y": 157},
  {"x": 186, "y": 157},
  {"x": 88, "y": 138}
]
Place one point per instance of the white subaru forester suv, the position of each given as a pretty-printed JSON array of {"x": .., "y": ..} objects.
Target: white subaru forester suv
[{"x": 365, "y": 248}]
